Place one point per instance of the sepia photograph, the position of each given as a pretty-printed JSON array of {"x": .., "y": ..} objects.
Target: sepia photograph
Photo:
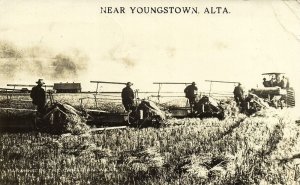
[{"x": 149, "y": 92}]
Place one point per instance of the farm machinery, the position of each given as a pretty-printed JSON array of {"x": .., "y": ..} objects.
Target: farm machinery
[
  {"x": 145, "y": 112},
  {"x": 59, "y": 117},
  {"x": 252, "y": 104},
  {"x": 276, "y": 91},
  {"x": 62, "y": 117},
  {"x": 204, "y": 107},
  {"x": 207, "y": 107},
  {"x": 225, "y": 106}
]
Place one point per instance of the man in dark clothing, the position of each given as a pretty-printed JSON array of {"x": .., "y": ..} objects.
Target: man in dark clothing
[
  {"x": 266, "y": 83},
  {"x": 273, "y": 81},
  {"x": 191, "y": 92},
  {"x": 284, "y": 83},
  {"x": 238, "y": 94},
  {"x": 277, "y": 81},
  {"x": 38, "y": 96},
  {"x": 128, "y": 97}
]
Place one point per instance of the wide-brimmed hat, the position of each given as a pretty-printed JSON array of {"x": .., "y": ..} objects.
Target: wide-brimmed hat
[
  {"x": 129, "y": 84},
  {"x": 40, "y": 81},
  {"x": 193, "y": 83}
]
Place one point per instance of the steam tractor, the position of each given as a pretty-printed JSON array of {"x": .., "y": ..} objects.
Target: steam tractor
[{"x": 276, "y": 90}]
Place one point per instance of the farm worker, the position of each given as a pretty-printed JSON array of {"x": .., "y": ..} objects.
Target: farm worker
[
  {"x": 284, "y": 83},
  {"x": 277, "y": 81},
  {"x": 273, "y": 81},
  {"x": 191, "y": 92},
  {"x": 266, "y": 83},
  {"x": 128, "y": 97},
  {"x": 38, "y": 96},
  {"x": 238, "y": 93}
]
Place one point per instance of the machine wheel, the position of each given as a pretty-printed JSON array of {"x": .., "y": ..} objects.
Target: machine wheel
[{"x": 290, "y": 99}]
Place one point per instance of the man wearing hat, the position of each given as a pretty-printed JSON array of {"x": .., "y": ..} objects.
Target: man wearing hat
[
  {"x": 238, "y": 93},
  {"x": 191, "y": 92},
  {"x": 38, "y": 96},
  {"x": 128, "y": 97}
]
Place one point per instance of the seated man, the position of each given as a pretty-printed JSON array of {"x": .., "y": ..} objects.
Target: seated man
[
  {"x": 277, "y": 81},
  {"x": 266, "y": 83}
]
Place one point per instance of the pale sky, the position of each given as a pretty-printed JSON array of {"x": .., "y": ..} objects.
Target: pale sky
[{"x": 258, "y": 36}]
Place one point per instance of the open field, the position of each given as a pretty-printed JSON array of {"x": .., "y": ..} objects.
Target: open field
[{"x": 264, "y": 149}]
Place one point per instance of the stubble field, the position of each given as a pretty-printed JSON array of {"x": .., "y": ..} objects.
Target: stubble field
[{"x": 262, "y": 149}]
